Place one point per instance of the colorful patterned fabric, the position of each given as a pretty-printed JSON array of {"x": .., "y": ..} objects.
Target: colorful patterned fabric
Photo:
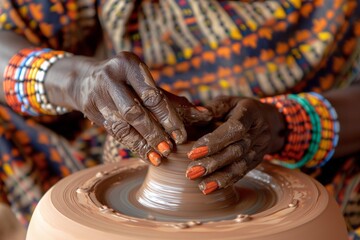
[
  {"x": 56, "y": 24},
  {"x": 32, "y": 159},
  {"x": 201, "y": 49}
]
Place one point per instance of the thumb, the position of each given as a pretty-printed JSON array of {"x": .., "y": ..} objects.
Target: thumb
[
  {"x": 188, "y": 112},
  {"x": 221, "y": 106}
]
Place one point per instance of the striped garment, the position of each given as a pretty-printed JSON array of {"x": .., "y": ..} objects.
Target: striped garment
[{"x": 195, "y": 48}]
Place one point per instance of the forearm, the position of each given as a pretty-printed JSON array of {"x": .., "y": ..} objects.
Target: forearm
[
  {"x": 59, "y": 79},
  {"x": 346, "y": 103},
  {"x": 10, "y": 44},
  {"x": 62, "y": 80}
]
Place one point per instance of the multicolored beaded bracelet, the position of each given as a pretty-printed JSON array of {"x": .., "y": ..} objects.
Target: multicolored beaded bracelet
[
  {"x": 330, "y": 129},
  {"x": 298, "y": 125},
  {"x": 313, "y": 129},
  {"x": 24, "y": 81}
]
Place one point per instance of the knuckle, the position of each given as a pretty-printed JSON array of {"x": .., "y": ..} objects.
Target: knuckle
[
  {"x": 141, "y": 147},
  {"x": 236, "y": 125},
  {"x": 109, "y": 68},
  {"x": 152, "y": 97},
  {"x": 246, "y": 143},
  {"x": 120, "y": 130},
  {"x": 128, "y": 56},
  {"x": 120, "y": 63},
  {"x": 133, "y": 113},
  {"x": 236, "y": 150},
  {"x": 249, "y": 102}
]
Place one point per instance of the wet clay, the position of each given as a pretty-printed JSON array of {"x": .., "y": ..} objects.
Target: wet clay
[
  {"x": 166, "y": 195},
  {"x": 168, "y": 191},
  {"x": 130, "y": 200}
]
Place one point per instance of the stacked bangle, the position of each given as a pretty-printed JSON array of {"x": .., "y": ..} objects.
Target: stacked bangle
[
  {"x": 313, "y": 129},
  {"x": 299, "y": 131},
  {"x": 330, "y": 129},
  {"x": 24, "y": 81}
]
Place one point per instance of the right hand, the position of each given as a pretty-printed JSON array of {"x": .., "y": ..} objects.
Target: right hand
[{"x": 121, "y": 94}]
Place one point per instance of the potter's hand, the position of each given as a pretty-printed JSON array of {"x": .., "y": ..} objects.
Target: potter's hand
[
  {"x": 120, "y": 94},
  {"x": 249, "y": 129}
]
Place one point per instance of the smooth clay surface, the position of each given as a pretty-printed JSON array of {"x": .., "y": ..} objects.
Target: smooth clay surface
[{"x": 121, "y": 201}]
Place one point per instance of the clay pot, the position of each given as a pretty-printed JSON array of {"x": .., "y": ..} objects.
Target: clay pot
[{"x": 130, "y": 200}]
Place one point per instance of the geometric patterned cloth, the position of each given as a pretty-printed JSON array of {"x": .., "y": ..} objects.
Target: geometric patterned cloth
[
  {"x": 33, "y": 158},
  {"x": 198, "y": 49}
]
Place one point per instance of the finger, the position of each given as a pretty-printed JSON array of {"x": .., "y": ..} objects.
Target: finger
[
  {"x": 195, "y": 115},
  {"x": 208, "y": 165},
  {"x": 128, "y": 136},
  {"x": 154, "y": 100},
  {"x": 229, "y": 174},
  {"x": 229, "y": 132},
  {"x": 188, "y": 112},
  {"x": 133, "y": 113},
  {"x": 222, "y": 105}
]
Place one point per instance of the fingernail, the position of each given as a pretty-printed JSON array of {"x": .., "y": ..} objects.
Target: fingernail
[
  {"x": 267, "y": 157},
  {"x": 195, "y": 172},
  {"x": 198, "y": 152},
  {"x": 202, "y": 109},
  {"x": 154, "y": 158},
  {"x": 209, "y": 187},
  {"x": 164, "y": 148},
  {"x": 176, "y": 135}
]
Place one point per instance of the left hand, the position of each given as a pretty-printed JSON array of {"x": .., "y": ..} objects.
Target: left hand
[{"x": 249, "y": 129}]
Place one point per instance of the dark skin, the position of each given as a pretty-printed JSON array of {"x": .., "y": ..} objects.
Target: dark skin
[
  {"x": 120, "y": 94},
  {"x": 250, "y": 129}
]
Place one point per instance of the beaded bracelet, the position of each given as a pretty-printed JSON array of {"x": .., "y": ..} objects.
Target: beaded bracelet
[
  {"x": 24, "y": 81},
  {"x": 330, "y": 129},
  {"x": 313, "y": 130},
  {"x": 299, "y": 127}
]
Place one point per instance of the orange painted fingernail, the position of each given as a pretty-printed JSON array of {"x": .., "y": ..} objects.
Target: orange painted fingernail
[
  {"x": 195, "y": 172},
  {"x": 210, "y": 187},
  {"x": 267, "y": 157},
  {"x": 164, "y": 148},
  {"x": 154, "y": 158},
  {"x": 198, "y": 152},
  {"x": 176, "y": 135},
  {"x": 201, "y": 109}
]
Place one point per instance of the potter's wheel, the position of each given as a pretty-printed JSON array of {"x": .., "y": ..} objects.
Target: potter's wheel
[{"x": 299, "y": 208}]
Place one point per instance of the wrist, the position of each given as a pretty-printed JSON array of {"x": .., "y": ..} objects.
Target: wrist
[
  {"x": 24, "y": 77},
  {"x": 277, "y": 125},
  {"x": 62, "y": 81}
]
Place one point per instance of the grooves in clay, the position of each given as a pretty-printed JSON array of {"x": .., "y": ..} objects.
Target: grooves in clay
[
  {"x": 81, "y": 207},
  {"x": 168, "y": 191}
]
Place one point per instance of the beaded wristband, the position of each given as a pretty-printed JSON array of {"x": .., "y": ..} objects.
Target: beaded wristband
[
  {"x": 330, "y": 129},
  {"x": 298, "y": 125},
  {"x": 24, "y": 81},
  {"x": 313, "y": 129},
  {"x": 299, "y": 136}
]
